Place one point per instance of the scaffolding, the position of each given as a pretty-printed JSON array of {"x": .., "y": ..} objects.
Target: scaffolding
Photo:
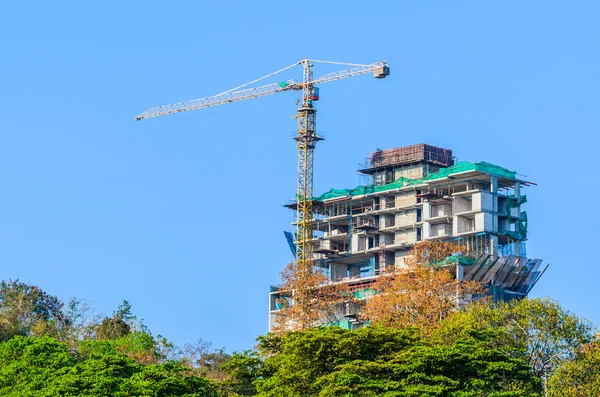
[
  {"x": 337, "y": 208},
  {"x": 407, "y": 155},
  {"x": 479, "y": 244}
]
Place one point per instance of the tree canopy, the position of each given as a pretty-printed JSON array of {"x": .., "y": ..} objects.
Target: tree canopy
[
  {"x": 538, "y": 330},
  {"x": 308, "y": 300},
  {"x": 48, "y": 348},
  {"x": 44, "y": 367},
  {"x": 378, "y": 361},
  {"x": 422, "y": 293},
  {"x": 579, "y": 377}
]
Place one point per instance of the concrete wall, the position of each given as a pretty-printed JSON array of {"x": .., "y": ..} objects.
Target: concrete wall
[
  {"x": 486, "y": 200},
  {"x": 440, "y": 229},
  {"x": 504, "y": 225},
  {"x": 440, "y": 210},
  {"x": 388, "y": 239},
  {"x": 412, "y": 172},
  {"x": 406, "y": 218},
  {"x": 463, "y": 224},
  {"x": 463, "y": 204},
  {"x": 387, "y": 202},
  {"x": 484, "y": 222},
  {"x": 338, "y": 271},
  {"x": 355, "y": 243},
  {"x": 406, "y": 236},
  {"x": 405, "y": 200},
  {"x": 399, "y": 258},
  {"x": 426, "y": 210}
]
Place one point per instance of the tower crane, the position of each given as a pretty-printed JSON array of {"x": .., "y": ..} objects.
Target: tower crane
[{"x": 306, "y": 137}]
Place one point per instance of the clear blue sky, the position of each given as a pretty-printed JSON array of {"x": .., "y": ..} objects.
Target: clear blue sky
[{"x": 182, "y": 215}]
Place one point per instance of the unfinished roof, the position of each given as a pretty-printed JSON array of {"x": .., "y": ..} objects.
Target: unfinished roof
[
  {"x": 462, "y": 167},
  {"x": 407, "y": 155}
]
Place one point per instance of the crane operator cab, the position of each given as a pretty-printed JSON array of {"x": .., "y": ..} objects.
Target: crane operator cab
[{"x": 314, "y": 96}]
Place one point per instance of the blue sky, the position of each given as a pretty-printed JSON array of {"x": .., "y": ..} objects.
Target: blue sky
[{"x": 182, "y": 215}]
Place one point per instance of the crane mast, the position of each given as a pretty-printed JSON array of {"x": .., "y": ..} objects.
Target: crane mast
[
  {"x": 306, "y": 140},
  {"x": 306, "y": 137}
]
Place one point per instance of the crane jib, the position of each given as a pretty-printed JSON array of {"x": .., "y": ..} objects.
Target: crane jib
[{"x": 306, "y": 137}]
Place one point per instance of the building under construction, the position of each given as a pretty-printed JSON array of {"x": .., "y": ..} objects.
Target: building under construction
[{"x": 419, "y": 193}]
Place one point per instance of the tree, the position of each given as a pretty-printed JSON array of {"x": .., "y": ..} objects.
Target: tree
[
  {"x": 27, "y": 364},
  {"x": 27, "y": 310},
  {"x": 468, "y": 368},
  {"x": 579, "y": 377},
  {"x": 538, "y": 330},
  {"x": 421, "y": 294},
  {"x": 295, "y": 362},
  {"x": 131, "y": 337},
  {"x": 81, "y": 318},
  {"x": 32, "y": 366},
  {"x": 308, "y": 300},
  {"x": 242, "y": 370},
  {"x": 140, "y": 346},
  {"x": 430, "y": 253},
  {"x": 374, "y": 361},
  {"x": 118, "y": 325},
  {"x": 203, "y": 360}
]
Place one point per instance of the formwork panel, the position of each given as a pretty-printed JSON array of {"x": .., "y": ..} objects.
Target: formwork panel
[{"x": 407, "y": 155}]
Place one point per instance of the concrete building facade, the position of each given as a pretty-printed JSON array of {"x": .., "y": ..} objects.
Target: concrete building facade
[{"x": 417, "y": 193}]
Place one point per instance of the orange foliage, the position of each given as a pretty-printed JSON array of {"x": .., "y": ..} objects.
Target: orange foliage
[
  {"x": 421, "y": 294},
  {"x": 431, "y": 252},
  {"x": 308, "y": 299}
]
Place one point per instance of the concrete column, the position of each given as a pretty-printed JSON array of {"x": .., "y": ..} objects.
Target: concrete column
[
  {"x": 518, "y": 196},
  {"x": 460, "y": 272},
  {"x": 425, "y": 230},
  {"x": 494, "y": 191}
]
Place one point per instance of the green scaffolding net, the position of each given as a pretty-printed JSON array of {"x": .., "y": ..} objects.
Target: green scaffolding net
[
  {"x": 521, "y": 229},
  {"x": 460, "y": 167}
]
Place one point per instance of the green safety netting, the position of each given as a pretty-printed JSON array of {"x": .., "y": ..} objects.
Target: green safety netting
[
  {"x": 521, "y": 232},
  {"x": 513, "y": 202},
  {"x": 455, "y": 259},
  {"x": 465, "y": 166},
  {"x": 362, "y": 189},
  {"x": 462, "y": 166}
]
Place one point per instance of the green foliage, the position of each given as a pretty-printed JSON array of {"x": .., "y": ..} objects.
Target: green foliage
[
  {"x": 44, "y": 367},
  {"x": 537, "y": 330},
  {"x": 49, "y": 349},
  {"x": 377, "y": 361},
  {"x": 112, "y": 328},
  {"x": 468, "y": 368},
  {"x": 242, "y": 370},
  {"x": 304, "y": 357},
  {"x": 170, "y": 379},
  {"x": 28, "y": 364},
  {"x": 579, "y": 377},
  {"x": 118, "y": 325}
]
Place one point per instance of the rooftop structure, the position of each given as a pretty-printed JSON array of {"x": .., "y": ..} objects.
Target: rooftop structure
[
  {"x": 414, "y": 161},
  {"x": 417, "y": 193}
]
